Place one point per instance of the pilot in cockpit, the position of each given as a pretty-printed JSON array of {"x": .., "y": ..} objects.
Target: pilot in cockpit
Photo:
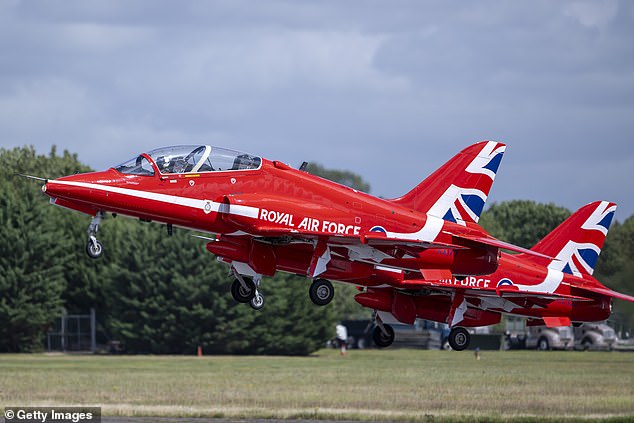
[
  {"x": 178, "y": 165},
  {"x": 162, "y": 163},
  {"x": 174, "y": 165}
]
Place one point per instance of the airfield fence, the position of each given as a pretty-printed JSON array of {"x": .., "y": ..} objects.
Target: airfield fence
[{"x": 73, "y": 332}]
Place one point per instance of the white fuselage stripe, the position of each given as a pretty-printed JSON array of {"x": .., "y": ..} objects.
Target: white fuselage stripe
[
  {"x": 428, "y": 232},
  {"x": 550, "y": 284},
  {"x": 194, "y": 203}
]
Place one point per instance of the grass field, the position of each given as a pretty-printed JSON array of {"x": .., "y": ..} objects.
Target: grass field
[{"x": 406, "y": 385}]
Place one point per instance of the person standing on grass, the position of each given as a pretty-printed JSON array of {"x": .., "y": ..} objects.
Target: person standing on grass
[{"x": 342, "y": 338}]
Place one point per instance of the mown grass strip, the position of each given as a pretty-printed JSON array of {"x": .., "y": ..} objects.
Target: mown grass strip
[{"x": 403, "y": 385}]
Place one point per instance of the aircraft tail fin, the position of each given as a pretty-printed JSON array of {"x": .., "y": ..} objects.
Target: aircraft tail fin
[
  {"x": 576, "y": 243},
  {"x": 458, "y": 190}
]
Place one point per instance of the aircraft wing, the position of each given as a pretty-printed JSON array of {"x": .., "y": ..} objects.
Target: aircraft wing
[
  {"x": 494, "y": 242},
  {"x": 496, "y": 301},
  {"x": 607, "y": 292},
  {"x": 379, "y": 240},
  {"x": 343, "y": 240},
  {"x": 491, "y": 292}
]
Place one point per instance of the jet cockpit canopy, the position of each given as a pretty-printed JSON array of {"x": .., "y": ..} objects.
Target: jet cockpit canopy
[{"x": 190, "y": 159}]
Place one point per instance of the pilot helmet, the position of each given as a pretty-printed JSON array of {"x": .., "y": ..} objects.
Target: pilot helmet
[
  {"x": 179, "y": 165},
  {"x": 162, "y": 162}
]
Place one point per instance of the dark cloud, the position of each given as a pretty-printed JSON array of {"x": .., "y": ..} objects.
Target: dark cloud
[{"x": 389, "y": 90}]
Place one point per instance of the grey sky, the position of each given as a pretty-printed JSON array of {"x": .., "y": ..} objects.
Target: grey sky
[{"x": 389, "y": 89}]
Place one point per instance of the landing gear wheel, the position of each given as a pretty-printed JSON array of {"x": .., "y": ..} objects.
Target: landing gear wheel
[
  {"x": 94, "y": 249},
  {"x": 459, "y": 339},
  {"x": 543, "y": 344},
  {"x": 257, "y": 302},
  {"x": 242, "y": 294},
  {"x": 382, "y": 339},
  {"x": 321, "y": 292}
]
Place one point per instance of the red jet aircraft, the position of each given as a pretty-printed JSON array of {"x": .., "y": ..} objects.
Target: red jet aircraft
[
  {"x": 269, "y": 217},
  {"x": 552, "y": 292}
]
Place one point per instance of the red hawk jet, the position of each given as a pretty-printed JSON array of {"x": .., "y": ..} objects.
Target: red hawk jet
[
  {"x": 548, "y": 291},
  {"x": 269, "y": 217}
]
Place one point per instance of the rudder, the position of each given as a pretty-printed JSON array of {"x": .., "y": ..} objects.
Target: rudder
[
  {"x": 458, "y": 190},
  {"x": 576, "y": 243}
]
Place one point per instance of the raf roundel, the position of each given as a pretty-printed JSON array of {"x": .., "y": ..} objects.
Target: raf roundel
[
  {"x": 505, "y": 282},
  {"x": 378, "y": 229}
]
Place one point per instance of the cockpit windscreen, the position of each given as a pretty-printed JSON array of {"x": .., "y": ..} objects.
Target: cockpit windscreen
[{"x": 190, "y": 159}]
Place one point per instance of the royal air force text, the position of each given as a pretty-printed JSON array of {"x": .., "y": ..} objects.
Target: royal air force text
[
  {"x": 468, "y": 282},
  {"x": 308, "y": 224}
]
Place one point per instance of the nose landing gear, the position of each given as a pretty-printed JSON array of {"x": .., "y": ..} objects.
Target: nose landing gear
[
  {"x": 94, "y": 247},
  {"x": 257, "y": 302}
]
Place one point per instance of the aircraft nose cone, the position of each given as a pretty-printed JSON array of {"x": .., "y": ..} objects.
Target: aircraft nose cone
[
  {"x": 55, "y": 190},
  {"x": 80, "y": 192}
]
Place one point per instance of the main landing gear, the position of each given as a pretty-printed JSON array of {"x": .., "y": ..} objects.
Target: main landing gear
[
  {"x": 94, "y": 247},
  {"x": 245, "y": 290},
  {"x": 321, "y": 292},
  {"x": 459, "y": 338},
  {"x": 383, "y": 334}
]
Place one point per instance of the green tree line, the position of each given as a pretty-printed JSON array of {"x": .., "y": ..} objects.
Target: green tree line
[{"x": 166, "y": 294}]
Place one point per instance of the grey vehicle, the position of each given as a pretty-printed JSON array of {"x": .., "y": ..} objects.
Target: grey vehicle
[
  {"x": 544, "y": 338},
  {"x": 595, "y": 336}
]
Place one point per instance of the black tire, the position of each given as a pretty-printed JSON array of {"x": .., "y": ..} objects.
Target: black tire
[
  {"x": 257, "y": 302},
  {"x": 459, "y": 339},
  {"x": 94, "y": 249},
  {"x": 586, "y": 344},
  {"x": 240, "y": 294},
  {"x": 321, "y": 292},
  {"x": 383, "y": 340},
  {"x": 543, "y": 344}
]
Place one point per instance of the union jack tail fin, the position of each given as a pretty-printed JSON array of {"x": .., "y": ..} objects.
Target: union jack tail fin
[
  {"x": 458, "y": 190},
  {"x": 576, "y": 243}
]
